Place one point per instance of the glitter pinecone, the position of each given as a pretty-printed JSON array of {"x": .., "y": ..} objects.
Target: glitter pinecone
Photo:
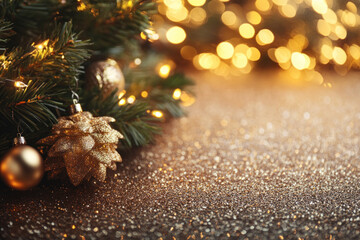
[{"x": 83, "y": 145}]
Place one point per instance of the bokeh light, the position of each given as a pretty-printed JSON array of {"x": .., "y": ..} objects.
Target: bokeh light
[
  {"x": 300, "y": 37},
  {"x": 176, "y": 35}
]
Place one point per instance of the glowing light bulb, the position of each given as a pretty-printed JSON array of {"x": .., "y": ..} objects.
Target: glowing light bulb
[
  {"x": 177, "y": 94},
  {"x": 164, "y": 70},
  {"x": 144, "y": 94},
  {"x": 137, "y": 61},
  {"x": 157, "y": 114},
  {"x": 20, "y": 84},
  {"x": 121, "y": 94},
  {"x": 122, "y": 102},
  {"x": 131, "y": 99}
]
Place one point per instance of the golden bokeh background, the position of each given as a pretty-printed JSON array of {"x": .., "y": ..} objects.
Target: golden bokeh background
[{"x": 231, "y": 38}]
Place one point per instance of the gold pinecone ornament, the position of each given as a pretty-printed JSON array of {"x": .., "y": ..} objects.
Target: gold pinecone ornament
[{"x": 83, "y": 145}]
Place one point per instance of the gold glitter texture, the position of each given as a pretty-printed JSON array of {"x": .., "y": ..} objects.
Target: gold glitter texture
[{"x": 83, "y": 145}]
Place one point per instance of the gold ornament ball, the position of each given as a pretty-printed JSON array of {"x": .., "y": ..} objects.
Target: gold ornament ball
[
  {"x": 22, "y": 167},
  {"x": 106, "y": 75}
]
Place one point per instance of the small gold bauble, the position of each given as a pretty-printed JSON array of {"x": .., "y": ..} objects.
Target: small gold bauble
[
  {"x": 106, "y": 75},
  {"x": 22, "y": 167}
]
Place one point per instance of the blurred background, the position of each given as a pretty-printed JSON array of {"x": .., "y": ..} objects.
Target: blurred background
[{"x": 300, "y": 38}]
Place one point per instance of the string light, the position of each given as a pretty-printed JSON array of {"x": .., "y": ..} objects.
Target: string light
[
  {"x": 121, "y": 94},
  {"x": 164, "y": 70},
  {"x": 42, "y": 45},
  {"x": 176, "y": 94},
  {"x": 157, "y": 113},
  {"x": 131, "y": 99},
  {"x": 144, "y": 94},
  {"x": 20, "y": 84}
]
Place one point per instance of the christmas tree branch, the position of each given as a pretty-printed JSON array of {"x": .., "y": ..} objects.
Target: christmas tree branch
[
  {"x": 44, "y": 72},
  {"x": 132, "y": 120}
]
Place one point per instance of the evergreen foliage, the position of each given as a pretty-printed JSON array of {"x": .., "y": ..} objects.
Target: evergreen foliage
[{"x": 45, "y": 46}]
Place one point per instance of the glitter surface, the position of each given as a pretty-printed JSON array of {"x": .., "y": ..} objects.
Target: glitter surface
[{"x": 254, "y": 159}]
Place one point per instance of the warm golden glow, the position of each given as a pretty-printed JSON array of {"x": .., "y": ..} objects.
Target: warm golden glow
[
  {"x": 209, "y": 61},
  {"x": 280, "y": 2},
  {"x": 300, "y": 60},
  {"x": 177, "y": 94},
  {"x": 121, "y": 94},
  {"x": 144, "y": 94},
  {"x": 246, "y": 30},
  {"x": 196, "y": 3},
  {"x": 330, "y": 16},
  {"x": 264, "y": 37},
  {"x": 122, "y": 102},
  {"x": 186, "y": 99},
  {"x": 225, "y": 50},
  {"x": 177, "y": 15},
  {"x": 164, "y": 70},
  {"x": 42, "y": 45},
  {"x": 340, "y": 31},
  {"x": 157, "y": 114},
  {"x": 263, "y": 5},
  {"x": 174, "y": 4},
  {"x": 288, "y": 10},
  {"x": 323, "y": 27},
  {"x": 239, "y": 60},
  {"x": 339, "y": 55},
  {"x": 20, "y": 84},
  {"x": 282, "y": 55},
  {"x": 355, "y": 51},
  {"x": 137, "y": 61},
  {"x": 188, "y": 52},
  {"x": 198, "y": 15},
  {"x": 131, "y": 99},
  {"x": 176, "y": 35},
  {"x": 319, "y": 6},
  {"x": 229, "y": 18},
  {"x": 253, "y": 54},
  {"x": 253, "y": 17}
]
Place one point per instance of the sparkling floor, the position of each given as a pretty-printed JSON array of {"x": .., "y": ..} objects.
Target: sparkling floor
[{"x": 254, "y": 159}]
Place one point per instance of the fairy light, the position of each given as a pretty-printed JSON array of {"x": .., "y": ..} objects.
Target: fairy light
[
  {"x": 131, "y": 99},
  {"x": 122, "y": 102},
  {"x": 42, "y": 45},
  {"x": 164, "y": 70},
  {"x": 121, "y": 94},
  {"x": 177, "y": 94},
  {"x": 144, "y": 94},
  {"x": 137, "y": 61},
  {"x": 20, "y": 84},
  {"x": 157, "y": 113}
]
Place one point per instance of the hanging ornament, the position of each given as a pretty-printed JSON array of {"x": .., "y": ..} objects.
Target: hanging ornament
[
  {"x": 105, "y": 75},
  {"x": 83, "y": 145},
  {"x": 22, "y": 167}
]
